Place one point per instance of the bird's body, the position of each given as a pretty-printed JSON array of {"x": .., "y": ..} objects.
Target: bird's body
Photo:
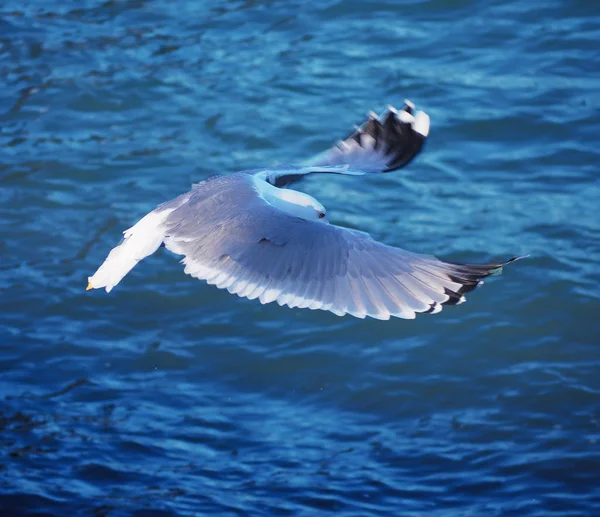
[{"x": 246, "y": 234}]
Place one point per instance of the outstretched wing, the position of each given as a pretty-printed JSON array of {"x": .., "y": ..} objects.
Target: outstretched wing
[
  {"x": 232, "y": 238},
  {"x": 383, "y": 143},
  {"x": 283, "y": 175}
]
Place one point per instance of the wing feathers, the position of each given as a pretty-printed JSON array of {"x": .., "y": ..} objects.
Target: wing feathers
[
  {"x": 242, "y": 244},
  {"x": 381, "y": 144}
]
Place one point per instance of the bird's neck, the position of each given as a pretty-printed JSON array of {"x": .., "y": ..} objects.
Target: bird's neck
[{"x": 291, "y": 202}]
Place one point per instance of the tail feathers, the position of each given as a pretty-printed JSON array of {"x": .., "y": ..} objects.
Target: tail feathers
[{"x": 141, "y": 240}]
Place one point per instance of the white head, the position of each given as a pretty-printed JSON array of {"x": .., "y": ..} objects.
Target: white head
[
  {"x": 300, "y": 205},
  {"x": 292, "y": 202}
]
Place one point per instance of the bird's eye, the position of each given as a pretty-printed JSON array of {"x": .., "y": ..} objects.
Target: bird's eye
[{"x": 321, "y": 215}]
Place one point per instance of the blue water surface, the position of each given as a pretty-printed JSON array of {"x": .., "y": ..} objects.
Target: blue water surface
[{"x": 172, "y": 398}]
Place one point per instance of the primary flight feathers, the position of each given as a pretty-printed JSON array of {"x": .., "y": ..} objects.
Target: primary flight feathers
[{"x": 246, "y": 234}]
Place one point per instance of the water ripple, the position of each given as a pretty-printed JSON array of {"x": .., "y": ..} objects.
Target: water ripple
[{"x": 171, "y": 398}]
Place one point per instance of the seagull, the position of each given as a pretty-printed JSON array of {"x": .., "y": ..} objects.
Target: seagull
[{"x": 247, "y": 233}]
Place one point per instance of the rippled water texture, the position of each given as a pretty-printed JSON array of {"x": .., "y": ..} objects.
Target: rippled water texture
[{"x": 171, "y": 398}]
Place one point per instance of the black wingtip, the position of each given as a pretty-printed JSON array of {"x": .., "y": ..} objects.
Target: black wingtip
[
  {"x": 470, "y": 276},
  {"x": 401, "y": 134},
  {"x": 498, "y": 269}
]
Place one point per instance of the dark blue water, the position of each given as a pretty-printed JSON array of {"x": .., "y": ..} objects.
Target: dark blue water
[{"x": 171, "y": 398}]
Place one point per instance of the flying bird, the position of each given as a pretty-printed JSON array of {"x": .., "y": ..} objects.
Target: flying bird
[{"x": 247, "y": 233}]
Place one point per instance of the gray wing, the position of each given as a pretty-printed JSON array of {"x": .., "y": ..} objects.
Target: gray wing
[
  {"x": 232, "y": 238},
  {"x": 282, "y": 175},
  {"x": 382, "y": 143}
]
